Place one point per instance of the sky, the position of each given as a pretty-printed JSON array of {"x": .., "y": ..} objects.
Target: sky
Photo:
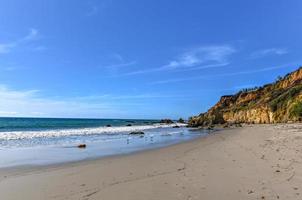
[{"x": 140, "y": 58}]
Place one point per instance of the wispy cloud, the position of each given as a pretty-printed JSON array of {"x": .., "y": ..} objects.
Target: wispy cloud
[
  {"x": 202, "y": 57},
  {"x": 9, "y": 46},
  {"x": 116, "y": 61},
  {"x": 220, "y": 75},
  {"x": 31, "y": 103},
  {"x": 32, "y": 35},
  {"x": 268, "y": 52}
]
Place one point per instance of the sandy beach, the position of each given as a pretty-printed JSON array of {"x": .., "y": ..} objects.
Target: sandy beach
[{"x": 253, "y": 162}]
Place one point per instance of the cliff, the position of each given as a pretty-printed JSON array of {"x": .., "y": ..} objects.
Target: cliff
[{"x": 272, "y": 103}]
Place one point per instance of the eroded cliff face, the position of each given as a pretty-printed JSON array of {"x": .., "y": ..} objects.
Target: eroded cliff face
[{"x": 272, "y": 103}]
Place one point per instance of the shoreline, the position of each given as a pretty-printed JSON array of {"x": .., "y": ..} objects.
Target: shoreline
[
  {"x": 55, "y": 150},
  {"x": 253, "y": 162},
  {"x": 36, "y": 168}
]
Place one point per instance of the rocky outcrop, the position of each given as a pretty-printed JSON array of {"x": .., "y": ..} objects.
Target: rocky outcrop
[{"x": 277, "y": 102}]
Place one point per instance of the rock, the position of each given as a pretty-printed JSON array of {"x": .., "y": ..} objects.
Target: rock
[
  {"x": 226, "y": 126},
  {"x": 166, "y": 121},
  {"x": 238, "y": 125},
  {"x": 108, "y": 125},
  {"x": 129, "y": 125},
  {"x": 211, "y": 127},
  {"x": 137, "y": 133},
  {"x": 176, "y": 126},
  {"x": 82, "y": 146}
]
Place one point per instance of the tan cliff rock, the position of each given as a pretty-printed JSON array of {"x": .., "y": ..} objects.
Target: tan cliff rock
[{"x": 273, "y": 103}]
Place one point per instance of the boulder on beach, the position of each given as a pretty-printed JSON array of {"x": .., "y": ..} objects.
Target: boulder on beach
[
  {"x": 137, "y": 133},
  {"x": 82, "y": 146}
]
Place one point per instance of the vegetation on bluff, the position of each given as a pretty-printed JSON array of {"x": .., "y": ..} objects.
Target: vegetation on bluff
[{"x": 280, "y": 101}]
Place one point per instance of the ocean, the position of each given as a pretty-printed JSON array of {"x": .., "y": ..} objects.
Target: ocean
[{"x": 43, "y": 141}]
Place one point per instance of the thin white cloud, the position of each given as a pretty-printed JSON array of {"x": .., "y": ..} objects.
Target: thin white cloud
[
  {"x": 268, "y": 52},
  {"x": 220, "y": 75},
  {"x": 9, "y": 46},
  {"x": 202, "y": 57},
  {"x": 115, "y": 61},
  {"x": 29, "y": 103},
  {"x": 32, "y": 35},
  {"x": 6, "y": 48}
]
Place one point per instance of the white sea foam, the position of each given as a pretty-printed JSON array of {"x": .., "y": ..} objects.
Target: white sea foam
[{"x": 18, "y": 135}]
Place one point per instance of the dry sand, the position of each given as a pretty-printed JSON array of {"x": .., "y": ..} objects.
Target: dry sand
[{"x": 258, "y": 162}]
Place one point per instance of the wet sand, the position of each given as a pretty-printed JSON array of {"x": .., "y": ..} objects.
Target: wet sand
[{"x": 253, "y": 162}]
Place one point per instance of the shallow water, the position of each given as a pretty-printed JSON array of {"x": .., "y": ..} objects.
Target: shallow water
[{"x": 44, "y": 146}]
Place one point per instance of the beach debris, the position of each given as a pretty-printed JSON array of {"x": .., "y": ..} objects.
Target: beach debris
[
  {"x": 250, "y": 192},
  {"x": 82, "y": 146},
  {"x": 137, "y": 133}
]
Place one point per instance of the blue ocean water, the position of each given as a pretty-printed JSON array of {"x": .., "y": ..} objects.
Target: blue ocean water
[
  {"x": 41, "y": 141},
  {"x": 23, "y": 124}
]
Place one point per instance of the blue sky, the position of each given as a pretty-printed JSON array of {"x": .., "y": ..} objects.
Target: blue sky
[{"x": 140, "y": 58}]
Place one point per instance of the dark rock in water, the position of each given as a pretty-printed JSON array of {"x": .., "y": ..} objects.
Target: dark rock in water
[
  {"x": 129, "y": 125},
  {"x": 82, "y": 146},
  {"x": 137, "y": 133},
  {"x": 176, "y": 127},
  {"x": 108, "y": 125},
  {"x": 166, "y": 121}
]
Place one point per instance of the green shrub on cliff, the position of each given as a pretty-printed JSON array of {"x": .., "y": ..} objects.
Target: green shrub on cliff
[
  {"x": 280, "y": 101},
  {"x": 296, "y": 110}
]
